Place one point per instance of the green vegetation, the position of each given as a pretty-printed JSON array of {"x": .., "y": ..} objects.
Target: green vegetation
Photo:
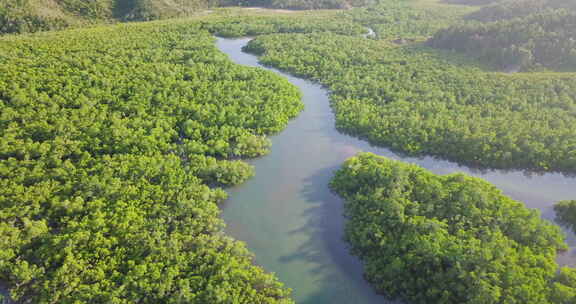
[
  {"x": 413, "y": 100},
  {"x": 240, "y": 26},
  {"x": 394, "y": 19},
  {"x": 518, "y": 35},
  {"x": 425, "y": 238},
  {"x": 566, "y": 213},
  {"x": 563, "y": 289},
  {"x": 510, "y": 9},
  {"x": 108, "y": 166},
  {"x": 111, "y": 167}
]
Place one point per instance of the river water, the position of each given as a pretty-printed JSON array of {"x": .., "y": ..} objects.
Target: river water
[{"x": 294, "y": 225}]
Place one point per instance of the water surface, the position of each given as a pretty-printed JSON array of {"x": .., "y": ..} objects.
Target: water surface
[{"x": 294, "y": 225}]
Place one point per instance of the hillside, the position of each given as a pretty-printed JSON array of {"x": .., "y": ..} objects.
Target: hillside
[
  {"x": 21, "y": 16},
  {"x": 517, "y": 35},
  {"x": 301, "y": 4},
  {"x": 508, "y": 9},
  {"x": 25, "y": 16}
]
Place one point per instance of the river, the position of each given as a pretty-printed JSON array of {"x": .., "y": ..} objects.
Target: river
[{"x": 294, "y": 225}]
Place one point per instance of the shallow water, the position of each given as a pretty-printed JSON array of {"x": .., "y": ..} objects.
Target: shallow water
[{"x": 294, "y": 225}]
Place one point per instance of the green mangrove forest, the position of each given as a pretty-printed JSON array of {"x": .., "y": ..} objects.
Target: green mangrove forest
[
  {"x": 110, "y": 167},
  {"x": 119, "y": 140},
  {"x": 417, "y": 101},
  {"x": 427, "y": 238}
]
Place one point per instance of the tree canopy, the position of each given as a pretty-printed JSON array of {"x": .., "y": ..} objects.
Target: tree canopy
[
  {"x": 566, "y": 213},
  {"x": 110, "y": 168},
  {"x": 419, "y": 101},
  {"x": 517, "y": 35},
  {"x": 425, "y": 238}
]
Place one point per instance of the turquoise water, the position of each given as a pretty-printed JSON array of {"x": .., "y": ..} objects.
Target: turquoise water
[{"x": 294, "y": 225}]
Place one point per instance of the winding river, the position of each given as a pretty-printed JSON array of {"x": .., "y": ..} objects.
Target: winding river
[{"x": 294, "y": 225}]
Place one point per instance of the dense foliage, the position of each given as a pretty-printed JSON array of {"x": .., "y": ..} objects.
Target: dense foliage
[
  {"x": 510, "y": 9},
  {"x": 110, "y": 167},
  {"x": 425, "y": 238},
  {"x": 518, "y": 35},
  {"x": 566, "y": 213},
  {"x": 413, "y": 100},
  {"x": 253, "y": 25},
  {"x": 107, "y": 165},
  {"x": 404, "y": 19}
]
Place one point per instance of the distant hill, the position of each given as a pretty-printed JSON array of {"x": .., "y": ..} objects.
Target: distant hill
[
  {"x": 301, "y": 4},
  {"x": 509, "y": 9},
  {"x": 161, "y": 9},
  {"x": 471, "y": 2},
  {"x": 21, "y": 16},
  {"x": 24, "y": 16},
  {"x": 517, "y": 35}
]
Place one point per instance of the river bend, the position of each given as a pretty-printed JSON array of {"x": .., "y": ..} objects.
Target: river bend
[{"x": 294, "y": 225}]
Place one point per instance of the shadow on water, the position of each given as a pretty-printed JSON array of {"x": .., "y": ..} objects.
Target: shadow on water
[
  {"x": 321, "y": 218},
  {"x": 325, "y": 226}
]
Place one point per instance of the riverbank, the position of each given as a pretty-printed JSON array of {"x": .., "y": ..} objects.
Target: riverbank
[{"x": 294, "y": 225}]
